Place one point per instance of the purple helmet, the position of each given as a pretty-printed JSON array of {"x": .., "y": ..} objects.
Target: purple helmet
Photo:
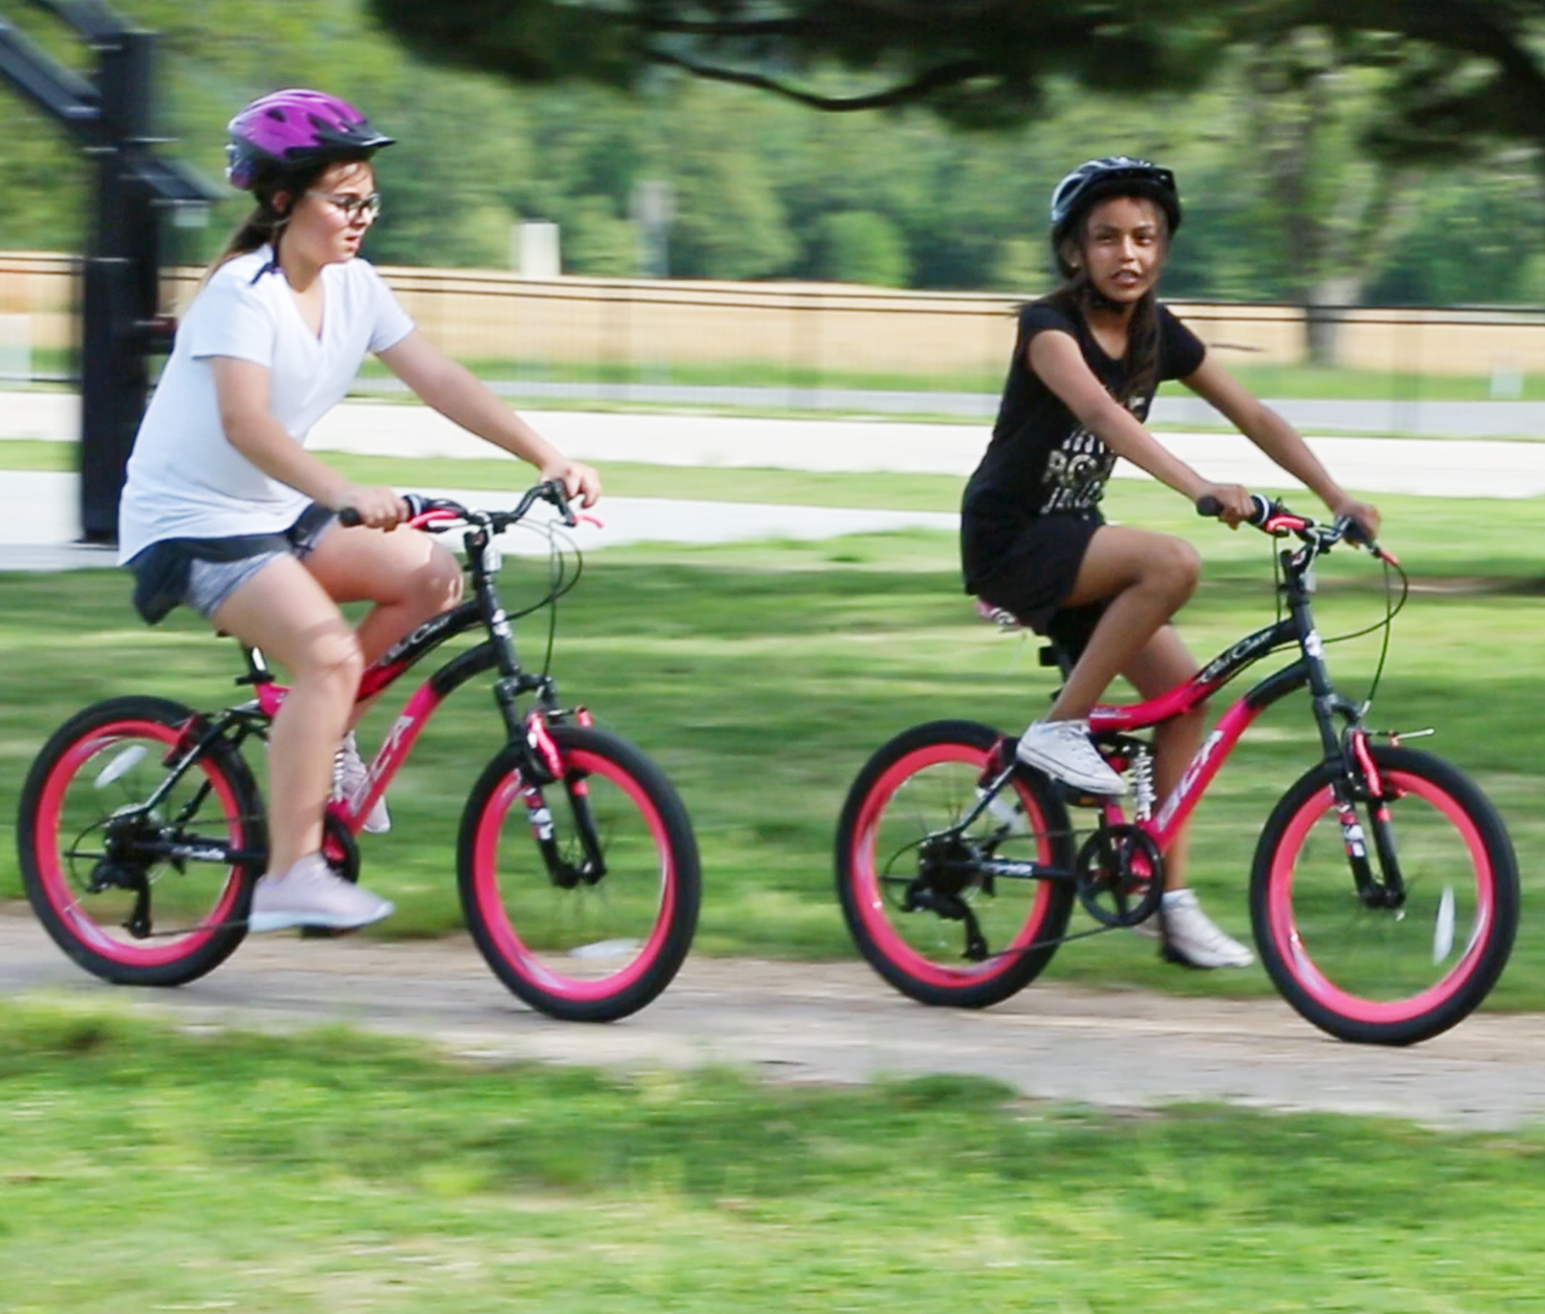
[{"x": 296, "y": 128}]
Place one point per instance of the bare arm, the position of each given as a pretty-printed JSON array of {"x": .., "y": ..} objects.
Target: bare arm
[
  {"x": 1277, "y": 438},
  {"x": 1056, "y": 359},
  {"x": 242, "y": 390},
  {"x": 457, "y": 394}
]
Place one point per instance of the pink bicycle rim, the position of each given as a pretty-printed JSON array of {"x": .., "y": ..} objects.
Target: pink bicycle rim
[
  {"x": 56, "y": 884},
  {"x": 1290, "y": 946},
  {"x": 507, "y": 940},
  {"x": 869, "y": 899}
]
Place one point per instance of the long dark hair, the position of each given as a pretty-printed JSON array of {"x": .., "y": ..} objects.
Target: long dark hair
[
  {"x": 265, "y": 225},
  {"x": 1077, "y": 294}
]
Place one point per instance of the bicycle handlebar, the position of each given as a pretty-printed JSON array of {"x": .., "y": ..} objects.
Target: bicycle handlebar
[
  {"x": 421, "y": 509},
  {"x": 1273, "y": 518},
  {"x": 1210, "y": 506}
]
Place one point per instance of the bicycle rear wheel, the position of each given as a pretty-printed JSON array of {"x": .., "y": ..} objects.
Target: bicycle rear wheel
[
  {"x": 905, "y": 877},
  {"x": 1389, "y": 975},
  {"x": 136, "y": 895},
  {"x": 604, "y": 929}
]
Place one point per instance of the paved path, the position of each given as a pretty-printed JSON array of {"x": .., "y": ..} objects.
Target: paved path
[
  {"x": 1477, "y": 468},
  {"x": 43, "y": 520},
  {"x": 837, "y": 1022},
  {"x": 42, "y": 523}
]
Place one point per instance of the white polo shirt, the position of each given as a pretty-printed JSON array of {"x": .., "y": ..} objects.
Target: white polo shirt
[{"x": 185, "y": 480}]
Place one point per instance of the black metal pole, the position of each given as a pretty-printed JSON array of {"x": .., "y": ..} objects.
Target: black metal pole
[{"x": 119, "y": 296}]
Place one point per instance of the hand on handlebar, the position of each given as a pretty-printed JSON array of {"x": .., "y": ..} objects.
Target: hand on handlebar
[
  {"x": 1362, "y": 514},
  {"x": 1231, "y": 503},
  {"x": 377, "y": 508},
  {"x": 578, "y": 479}
]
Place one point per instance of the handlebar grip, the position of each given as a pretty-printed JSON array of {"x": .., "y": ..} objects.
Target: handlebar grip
[
  {"x": 348, "y": 517},
  {"x": 558, "y": 495},
  {"x": 1209, "y": 505}
]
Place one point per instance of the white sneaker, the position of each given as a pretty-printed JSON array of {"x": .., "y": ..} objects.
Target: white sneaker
[
  {"x": 1191, "y": 939},
  {"x": 349, "y": 779},
  {"x": 1063, "y": 751},
  {"x": 310, "y": 895}
]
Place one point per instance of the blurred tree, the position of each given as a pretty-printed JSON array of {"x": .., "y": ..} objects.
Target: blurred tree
[
  {"x": 1336, "y": 209},
  {"x": 43, "y": 183},
  {"x": 730, "y": 222},
  {"x": 1472, "y": 241},
  {"x": 597, "y": 241},
  {"x": 976, "y": 62},
  {"x": 859, "y": 246},
  {"x": 757, "y": 177}
]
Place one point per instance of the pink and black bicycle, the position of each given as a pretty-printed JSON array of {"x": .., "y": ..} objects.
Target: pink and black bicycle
[
  {"x": 1384, "y": 892},
  {"x": 142, "y": 830}
]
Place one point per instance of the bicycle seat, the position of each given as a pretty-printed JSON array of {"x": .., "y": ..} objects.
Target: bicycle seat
[{"x": 1052, "y": 653}]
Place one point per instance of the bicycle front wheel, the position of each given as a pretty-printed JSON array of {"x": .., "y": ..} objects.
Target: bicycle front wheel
[
  {"x": 583, "y": 897},
  {"x": 910, "y": 882},
  {"x": 137, "y": 894},
  {"x": 1419, "y": 950}
]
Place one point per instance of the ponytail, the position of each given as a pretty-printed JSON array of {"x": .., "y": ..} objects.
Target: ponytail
[
  {"x": 265, "y": 225},
  {"x": 261, "y": 227}
]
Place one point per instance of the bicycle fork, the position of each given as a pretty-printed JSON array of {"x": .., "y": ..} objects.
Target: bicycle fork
[
  {"x": 544, "y": 765},
  {"x": 1360, "y": 778}
]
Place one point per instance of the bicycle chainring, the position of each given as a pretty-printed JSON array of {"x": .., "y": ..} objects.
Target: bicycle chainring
[{"x": 1119, "y": 875}]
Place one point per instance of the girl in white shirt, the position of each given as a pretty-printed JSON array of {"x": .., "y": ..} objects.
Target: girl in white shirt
[{"x": 225, "y": 510}]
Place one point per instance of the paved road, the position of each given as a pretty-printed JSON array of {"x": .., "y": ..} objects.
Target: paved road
[
  {"x": 43, "y": 519},
  {"x": 1500, "y": 418},
  {"x": 42, "y": 522},
  {"x": 838, "y": 1023},
  {"x": 1474, "y": 468}
]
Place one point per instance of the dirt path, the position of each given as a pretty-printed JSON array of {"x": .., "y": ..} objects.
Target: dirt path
[{"x": 836, "y": 1022}]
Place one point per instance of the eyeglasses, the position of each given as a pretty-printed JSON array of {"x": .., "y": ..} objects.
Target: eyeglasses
[{"x": 353, "y": 207}]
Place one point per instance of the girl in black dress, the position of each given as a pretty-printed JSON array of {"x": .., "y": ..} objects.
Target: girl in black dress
[{"x": 1087, "y": 361}]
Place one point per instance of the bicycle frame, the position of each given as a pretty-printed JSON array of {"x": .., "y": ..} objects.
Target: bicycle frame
[
  {"x": 484, "y": 610},
  {"x": 1347, "y": 748}
]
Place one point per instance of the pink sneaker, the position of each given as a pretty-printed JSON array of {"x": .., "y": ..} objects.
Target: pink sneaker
[{"x": 309, "y": 894}]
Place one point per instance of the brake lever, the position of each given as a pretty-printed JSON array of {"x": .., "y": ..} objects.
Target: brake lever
[{"x": 558, "y": 495}]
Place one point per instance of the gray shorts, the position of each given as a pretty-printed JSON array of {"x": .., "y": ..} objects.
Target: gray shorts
[{"x": 203, "y": 572}]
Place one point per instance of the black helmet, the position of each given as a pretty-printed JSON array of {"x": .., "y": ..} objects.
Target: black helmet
[{"x": 1114, "y": 175}]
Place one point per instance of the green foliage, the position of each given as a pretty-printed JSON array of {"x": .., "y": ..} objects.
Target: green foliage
[
  {"x": 597, "y": 242},
  {"x": 859, "y": 246},
  {"x": 976, "y": 62},
  {"x": 1274, "y": 149}
]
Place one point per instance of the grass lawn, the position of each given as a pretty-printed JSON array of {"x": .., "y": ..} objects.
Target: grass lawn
[
  {"x": 762, "y": 676},
  {"x": 151, "y": 1169}
]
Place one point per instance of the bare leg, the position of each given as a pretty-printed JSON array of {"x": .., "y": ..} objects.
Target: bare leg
[
  {"x": 406, "y": 574},
  {"x": 1145, "y": 578},
  {"x": 285, "y": 612},
  {"x": 1163, "y": 664},
  {"x": 1189, "y": 935}
]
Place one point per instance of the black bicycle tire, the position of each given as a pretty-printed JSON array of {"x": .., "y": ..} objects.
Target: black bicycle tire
[
  {"x": 1469, "y": 995},
  {"x": 685, "y": 866},
  {"x": 223, "y": 940},
  {"x": 1020, "y": 969}
]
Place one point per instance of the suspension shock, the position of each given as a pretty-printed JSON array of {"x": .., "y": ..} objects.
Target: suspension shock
[{"x": 1143, "y": 797}]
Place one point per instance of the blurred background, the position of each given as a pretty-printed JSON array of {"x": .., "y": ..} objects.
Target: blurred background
[{"x": 541, "y": 231}]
